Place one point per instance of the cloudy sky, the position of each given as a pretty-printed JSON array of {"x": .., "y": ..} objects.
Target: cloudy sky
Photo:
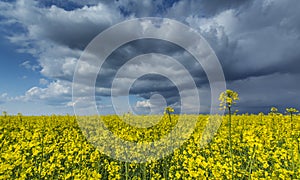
[{"x": 257, "y": 43}]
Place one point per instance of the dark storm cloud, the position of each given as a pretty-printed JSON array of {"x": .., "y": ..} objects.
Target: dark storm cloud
[
  {"x": 146, "y": 8},
  {"x": 212, "y": 7},
  {"x": 66, "y": 5},
  {"x": 74, "y": 38},
  {"x": 257, "y": 43},
  {"x": 73, "y": 33},
  {"x": 260, "y": 54},
  {"x": 259, "y": 94},
  {"x": 264, "y": 39},
  {"x": 151, "y": 84},
  {"x": 204, "y": 8},
  {"x": 51, "y": 21},
  {"x": 144, "y": 46},
  {"x": 147, "y": 86}
]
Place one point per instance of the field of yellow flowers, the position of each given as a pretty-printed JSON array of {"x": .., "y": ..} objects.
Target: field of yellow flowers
[{"x": 54, "y": 147}]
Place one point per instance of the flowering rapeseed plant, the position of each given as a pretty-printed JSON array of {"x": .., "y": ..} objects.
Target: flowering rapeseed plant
[
  {"x": 291, "y": 111},
  {"x": 227, "y": 99},
  {"x": 54, "y": 147},
  {"x": 168, "y": 111}
]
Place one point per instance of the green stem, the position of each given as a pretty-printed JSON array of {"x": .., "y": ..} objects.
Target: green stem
[
  {"x": 230, "y": 142},
  {"x": 42, "y": 155},
  {"x": 242, "y": 131},
  {"x": 251, "y": 161},
  {"x": 165, "y": 164},
  {"x": 144, "y": 170},
  {"x": 126, "y": 171},
  {"x": 292, "y": 127},
  {"x": 293, "y": 161},
  {"x": 298, "y": 145},
  {"x": 169, "y": 116}
]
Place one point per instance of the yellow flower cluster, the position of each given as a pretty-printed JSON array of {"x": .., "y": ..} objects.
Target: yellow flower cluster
[
  {"x": 228, "y": 98},
  {"x": 54, "y": 147}
]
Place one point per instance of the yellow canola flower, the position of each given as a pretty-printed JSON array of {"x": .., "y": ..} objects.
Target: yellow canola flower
[{"x": 54, "y": 147}]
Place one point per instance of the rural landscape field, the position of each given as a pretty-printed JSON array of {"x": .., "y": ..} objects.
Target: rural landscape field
[
  {"x": 53, "y": 147},
  {"x": 149, "y": 90}
]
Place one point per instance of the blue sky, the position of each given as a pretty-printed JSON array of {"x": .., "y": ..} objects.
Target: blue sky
[{"x": 257, "y": 43}]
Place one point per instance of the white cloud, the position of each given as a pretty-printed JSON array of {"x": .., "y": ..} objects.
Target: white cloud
[
  {"x": 56, "y": 38},
  {"x": 154, "y": 105},
  {"x": 57, "y": 93},
  {"x": 29, "y": 65},
  {"x": 143, "y": 104},
  {"x": 43, "y": 81},
  {"x": 3, "y": 97},
  {"x": 54, "y": 35}
]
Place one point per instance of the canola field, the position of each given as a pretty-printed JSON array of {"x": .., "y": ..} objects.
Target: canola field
[{"x": 54, "y": 147}]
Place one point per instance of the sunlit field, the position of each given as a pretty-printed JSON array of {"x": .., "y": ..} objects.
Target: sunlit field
[{"x": 54, "y": 147}]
